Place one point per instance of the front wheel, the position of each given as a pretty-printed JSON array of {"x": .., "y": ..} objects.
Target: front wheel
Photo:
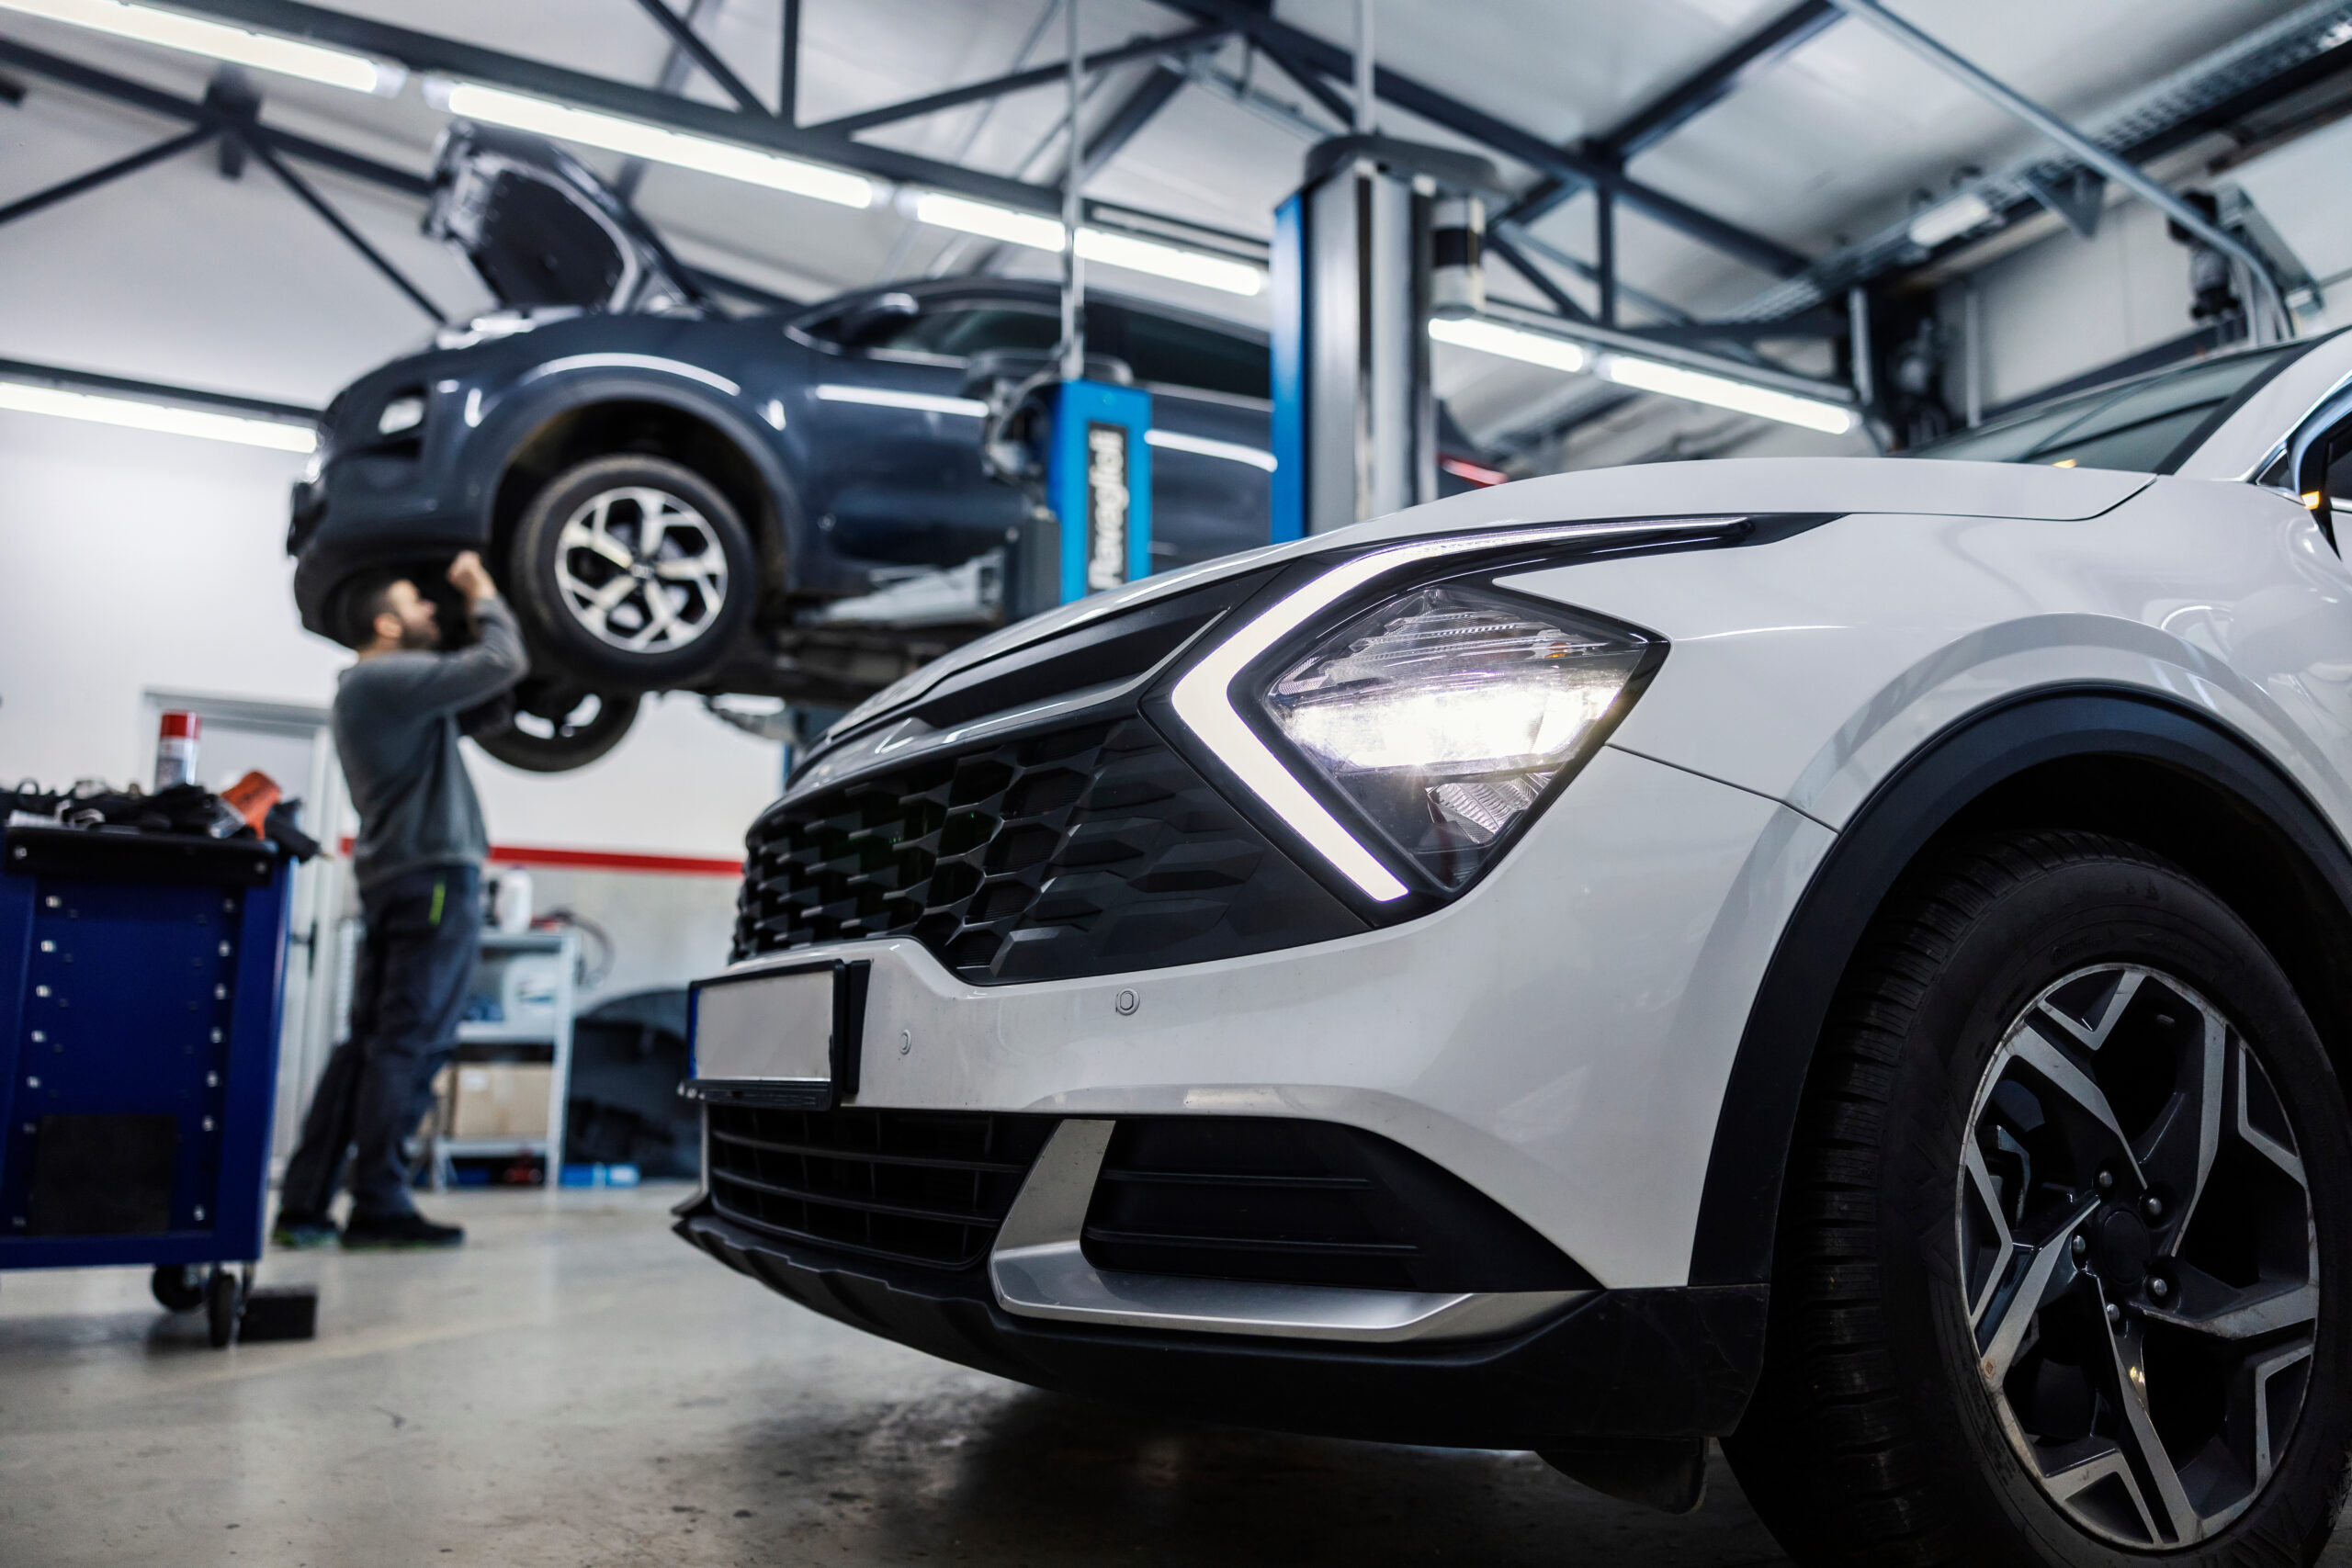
[
  {"x": 634, "y": 571},
  {"x": 2057, "y": 1273}
]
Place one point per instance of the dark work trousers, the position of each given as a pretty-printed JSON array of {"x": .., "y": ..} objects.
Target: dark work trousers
[{"x": 416, "y": 953}]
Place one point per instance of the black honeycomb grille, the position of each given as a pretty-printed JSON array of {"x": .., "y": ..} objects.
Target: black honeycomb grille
[
  {"x": 927, "y": 1188},
  {"x": 1081, "y": 852}
]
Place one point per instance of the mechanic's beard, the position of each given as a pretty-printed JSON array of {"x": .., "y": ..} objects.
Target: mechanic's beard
[{"x": 417, "y": 637}]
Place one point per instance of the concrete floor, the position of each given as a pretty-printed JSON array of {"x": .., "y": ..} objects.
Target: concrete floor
[{"x": 578, "y": 1388}]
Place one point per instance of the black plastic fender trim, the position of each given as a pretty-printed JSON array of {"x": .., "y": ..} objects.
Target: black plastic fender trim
[
  {"x": 524, "y": 410},
  {"x": 1739, "y": 1205}
]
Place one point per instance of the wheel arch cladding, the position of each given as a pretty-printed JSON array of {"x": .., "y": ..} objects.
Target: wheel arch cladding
[
  {"x": 2138, "y": 766},
  {"x": 610, "y": 417}
]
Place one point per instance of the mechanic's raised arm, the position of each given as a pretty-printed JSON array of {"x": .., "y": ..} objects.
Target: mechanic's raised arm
[{"x": 496, "y": 660}]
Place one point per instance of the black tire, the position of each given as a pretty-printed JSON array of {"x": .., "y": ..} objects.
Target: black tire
[
  {"x": 177, "y": 1287},
  {"x": 1896, "y": 1413},
  {"x": 555, "y": 728},
  {"x": 687, "y": 620},
  {"x": 224, "y": 1304}
]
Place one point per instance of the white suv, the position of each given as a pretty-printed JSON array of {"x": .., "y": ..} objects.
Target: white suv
[{"x": 1848, "y": 958}]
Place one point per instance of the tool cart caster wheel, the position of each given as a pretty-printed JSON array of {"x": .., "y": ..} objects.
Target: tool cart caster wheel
[
  {"x": 224, "y": 1304},
  {"x": 179, "y": 1287}
]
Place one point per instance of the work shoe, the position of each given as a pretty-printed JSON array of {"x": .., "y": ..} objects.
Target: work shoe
[
  {"x": 299, "y": 1231},
  {"x": 384, "y": 1233}
]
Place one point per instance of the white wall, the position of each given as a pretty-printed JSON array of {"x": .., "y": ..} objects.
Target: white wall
[
  {"x": 2067, "y": 305},
  {"x": 665, "y": 930},
  {"x": 135, "y": 560}
]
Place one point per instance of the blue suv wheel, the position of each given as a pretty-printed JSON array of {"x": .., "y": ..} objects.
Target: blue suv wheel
[{"x": 635, "y": 571}]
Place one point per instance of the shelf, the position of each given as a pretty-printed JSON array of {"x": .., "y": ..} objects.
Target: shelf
[
  {"x": 475, "y": 1033},
  {"x": 522, "y": 941},
  {"x": 475, "y": 1148}
]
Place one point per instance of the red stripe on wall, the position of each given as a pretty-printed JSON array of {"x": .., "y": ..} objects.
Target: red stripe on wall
[
  {"x": 608, "y": 860},
  {"x": 614, "y": 860}
]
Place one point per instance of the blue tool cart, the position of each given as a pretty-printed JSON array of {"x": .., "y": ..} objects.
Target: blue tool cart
[{"x": 139, "y": 981}]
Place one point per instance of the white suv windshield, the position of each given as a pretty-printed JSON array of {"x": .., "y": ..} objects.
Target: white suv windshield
[{"x": 2142, "y": 425}]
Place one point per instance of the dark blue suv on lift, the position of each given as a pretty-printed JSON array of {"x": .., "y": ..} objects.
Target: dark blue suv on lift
[{"x": 787, "y": 505}]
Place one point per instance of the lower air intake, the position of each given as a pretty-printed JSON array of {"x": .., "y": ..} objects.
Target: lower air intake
[
  {"x": 927, "y": 1188},
  {"x": 1308, "y": 1203}
]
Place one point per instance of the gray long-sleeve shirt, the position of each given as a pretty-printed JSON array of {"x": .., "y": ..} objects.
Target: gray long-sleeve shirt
[{"x": 396, "y": 731}]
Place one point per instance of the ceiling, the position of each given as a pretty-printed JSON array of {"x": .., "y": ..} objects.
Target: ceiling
[{"x": 1833, "y": 140}]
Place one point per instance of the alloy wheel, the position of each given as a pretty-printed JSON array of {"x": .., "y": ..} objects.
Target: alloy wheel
[
  {"x": 641, "y": 570},
  {"x": 2137, "y": 1255}
]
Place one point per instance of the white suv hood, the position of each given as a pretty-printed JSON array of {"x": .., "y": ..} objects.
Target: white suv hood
[{"x": 1754, "y": 486}]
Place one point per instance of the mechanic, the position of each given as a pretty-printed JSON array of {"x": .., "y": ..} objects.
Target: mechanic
[{"x": 418, "y": 860}]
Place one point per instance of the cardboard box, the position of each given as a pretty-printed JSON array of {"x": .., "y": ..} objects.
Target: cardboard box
[{"x": 497, "y": 1100}]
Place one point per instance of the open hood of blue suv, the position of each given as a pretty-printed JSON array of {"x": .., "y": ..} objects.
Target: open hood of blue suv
[{"x": 546, "y": 233}]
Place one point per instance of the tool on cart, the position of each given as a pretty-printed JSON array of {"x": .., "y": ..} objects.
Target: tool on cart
[{"x": 142, "y": 947}]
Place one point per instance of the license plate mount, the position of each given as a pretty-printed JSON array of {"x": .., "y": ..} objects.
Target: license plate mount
[{"x": 789, "y": 1037}]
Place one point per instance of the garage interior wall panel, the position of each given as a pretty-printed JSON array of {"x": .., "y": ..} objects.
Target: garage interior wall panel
[
  {"x": 141, "y": 562},
  {"x": 2066, "y": 305}
]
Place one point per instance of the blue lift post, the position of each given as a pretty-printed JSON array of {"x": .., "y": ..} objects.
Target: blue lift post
[
  {"x": 140, "y": 980},
  {"x": 1098, "y": 481}
]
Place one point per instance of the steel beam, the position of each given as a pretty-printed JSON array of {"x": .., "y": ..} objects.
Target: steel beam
[
  {"x": 1719, "y": 77},
  {"x": 369, "y": 171},
  {"x": 25, "y": 207},
  {"x": 1318, "y": 54},
  {"x": 1528, "y": 239},
  {"x": 1503, "y": 251},
  {"x": 1138, "y": 109},
  {"x": 138, "y": 94},
  {"x": 1309, "y": 83},
  {"x": 675, "y": 70},
  {"x": 1614, "y": 341},
  {"x": 684, "y": 37},
  {"x": 1812, "y": 324},
  {"x": 1018, "y": 81},
  {"x": 787, "y": 92},
  {"x": 91, "y": 381},
  {"x": 1688, "y": 98},
  {"x": 1985, "y": 85},
  {"x": 335, "y": 221},
  {"x": 1604, "y": 252}
]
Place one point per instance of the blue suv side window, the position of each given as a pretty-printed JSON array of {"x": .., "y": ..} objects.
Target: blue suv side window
[
  {"x": 963, "y": 333},
  {"x": 1177, "y": 353}
]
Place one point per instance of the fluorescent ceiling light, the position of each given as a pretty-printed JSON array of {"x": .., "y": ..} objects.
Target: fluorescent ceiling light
[
  {"x": 1746, "y": 396},
  {"x": 1950, "y": 219},
  {"x": 921, "y": 402},
  {"x": 1042, "y": 234},
  {"x": 1231, "y": 451},
  {"x": 989, "y": 220},
  {"x": 1170, "y": 261},
  {"x": 217, "y": 40},
  {"x": 635, "y": 139},
  {"x": 1647, "y": 375},
  {"x": 171, "y": 419},
  {"x": 1493, "y": 337}
]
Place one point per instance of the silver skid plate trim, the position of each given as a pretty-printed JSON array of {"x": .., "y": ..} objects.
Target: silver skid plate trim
[{"x": 1038, "y": 1270}]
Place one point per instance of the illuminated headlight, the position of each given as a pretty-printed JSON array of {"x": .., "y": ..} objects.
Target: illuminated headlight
[
  {"x": 401, "y": 413},
  {"x": 1443, "y": 714}
]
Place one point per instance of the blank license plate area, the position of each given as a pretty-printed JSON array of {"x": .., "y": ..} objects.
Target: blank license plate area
[{"x": 778, "y": 1027}]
